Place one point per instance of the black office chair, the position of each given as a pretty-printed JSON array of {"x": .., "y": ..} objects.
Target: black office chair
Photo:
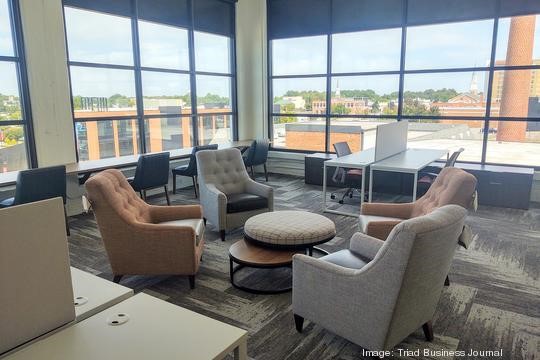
[
  {"x": 39, "y": 184},
  {"x": 152, "y": 172},
  {"x": 351, "y": 178},
  {"x": 190, "y": 170},
  {"x": 257, "y": 154},
  {"x": 425, "y": 179}
]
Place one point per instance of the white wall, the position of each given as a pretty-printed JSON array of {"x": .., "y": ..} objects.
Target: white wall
[
  {"x": 46, "y": 61},
  {"x": 251, "y": 65}
]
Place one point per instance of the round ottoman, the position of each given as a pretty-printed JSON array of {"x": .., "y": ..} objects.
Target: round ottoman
[
  {"x": 289, "y": 229},
  {"x": 271, "y": 240}
]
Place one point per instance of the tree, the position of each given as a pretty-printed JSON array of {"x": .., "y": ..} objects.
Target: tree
[
  {"x": 340, "y": 109},
  {"x": 13, "y": 134},
  {"x": 375, "y": 108}
]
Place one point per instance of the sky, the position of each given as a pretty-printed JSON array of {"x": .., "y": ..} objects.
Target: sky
[
  {"x": 453, "y": 45},
  {"x": 106, "y": 39},
  {"x": 102, "y": 38}
]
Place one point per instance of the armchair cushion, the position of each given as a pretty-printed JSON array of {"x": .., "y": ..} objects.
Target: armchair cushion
[
  {"x": 181, "y": 170},
  {"x": 196, "y": 224},
  {"x": 347, "y": 259},
  {"x": 245, "y": 202},
  {"x": 364, "y": 221}
]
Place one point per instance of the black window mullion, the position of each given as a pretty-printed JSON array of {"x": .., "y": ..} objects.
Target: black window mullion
[
  {"x": 138, "y": 76},
  {"x": 22, "y": 78},
  {"x": 328, "y": 91},
  {"x": 193, "y": 77},
  {"x": 405, "y": 6},
  {"x": 490, "y": 86}
]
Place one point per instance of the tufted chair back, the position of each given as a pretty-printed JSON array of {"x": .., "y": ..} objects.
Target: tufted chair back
[
  {"x": 452, "y": 186},
  {"x": 224, "y": 169},
  {"x": 115, "y": 202}
]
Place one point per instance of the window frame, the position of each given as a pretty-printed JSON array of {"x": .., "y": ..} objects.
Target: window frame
[
  {"x": 19, "y": 60},
  {"x": 489, "y": 70},
  {"x": 138, "y": 70}
]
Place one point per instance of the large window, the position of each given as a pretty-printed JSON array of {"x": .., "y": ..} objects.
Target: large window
[
  {"x": 15, "y": 129},
  {"x": 161, "y": 81},
  {"x": 466, "y": 79}
]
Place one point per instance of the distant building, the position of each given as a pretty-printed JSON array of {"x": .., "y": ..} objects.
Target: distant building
[
  {"x": 498, "y": 81},
  {"x": 297, "y": 101}
]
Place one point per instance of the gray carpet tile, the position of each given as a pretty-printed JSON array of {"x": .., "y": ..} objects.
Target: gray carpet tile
[{"x": 492, "y": 302}]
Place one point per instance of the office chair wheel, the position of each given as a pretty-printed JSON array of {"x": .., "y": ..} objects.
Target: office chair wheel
[
  {"x": 350, "y": 195},
  {"x": 340, "y": 201},
  {"x": 332, "y": 196}
]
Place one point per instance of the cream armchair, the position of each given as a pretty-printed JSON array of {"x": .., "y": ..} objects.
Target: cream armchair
[
  {"x": 228, "y": 195},
  {"x": 377, "y": 292},
  {"x": 142, "y": 239}
]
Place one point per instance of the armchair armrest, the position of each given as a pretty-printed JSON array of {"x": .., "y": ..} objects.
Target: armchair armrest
[
  {"x": 381, "y": 229},
  {"x": 160, "y": 214},
  {"x": 214, "y": 203},
  {"x": 253, "y": 187},
  {"x": 402, "y": 211},
  {"x": 365, "y": 245}
]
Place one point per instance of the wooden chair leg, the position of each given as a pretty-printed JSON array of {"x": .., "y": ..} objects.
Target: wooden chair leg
[
  {"x": 195, "y": 186},
  {"x": 117, "y": 278},
  {"x": 447, "y": 281},
  {"x": 299, "y": 322},
  {"x": 222, "y": 235},
  {"x": 191, "y": 281},
  {"x": 252, "y": 173},
  {"x": 167, "y": 195},
  {"x": 204, "y": 219},
  {"x": 265, "y": 172},
  {"x": 144, "y": 195},
  {"x": 428, "y": 331},
  {"x": 174, "y": 184}
]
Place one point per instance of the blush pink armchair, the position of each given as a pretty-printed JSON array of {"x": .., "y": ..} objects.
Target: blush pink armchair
[
  {"x": 452, "y": 186},
  {"x": 142, "y": 239}
]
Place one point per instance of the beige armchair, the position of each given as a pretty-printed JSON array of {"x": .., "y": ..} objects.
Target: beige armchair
[
  {"x": 376, "y": 293},
  {"x": 142, "y": 239},
  {"x": 452, "y": 186}
]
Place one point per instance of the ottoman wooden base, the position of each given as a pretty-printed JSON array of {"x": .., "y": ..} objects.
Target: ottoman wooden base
[{"x": 246, "y": 254}]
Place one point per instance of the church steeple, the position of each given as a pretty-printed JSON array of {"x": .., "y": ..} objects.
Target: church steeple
[{"x": 474, "y": 84}]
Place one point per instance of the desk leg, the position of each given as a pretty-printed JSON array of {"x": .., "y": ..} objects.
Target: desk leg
[
  {"x": 324, "y": 187},
  {"x": 370, "y": 184},
  {"x": 415, "y": 185},
  {"x": 240, "y": 353},
  {"x": 363, "y": 188}
]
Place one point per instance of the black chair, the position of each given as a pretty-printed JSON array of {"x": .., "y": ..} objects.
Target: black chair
[
  {"x": 152, "y": 172},
  {"x": 39, "y": 184},
  {"x": 425, "y": 179},
  {"x": 190, "y": 170},
  {"x": 351, "y": 178},
  {"x": 257, "y": 154}
]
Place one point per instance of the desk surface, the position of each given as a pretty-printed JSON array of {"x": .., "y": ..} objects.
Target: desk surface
[
  {"x": 155, "y": 329},
  {"x": 409, "y": 160},
  {"x": 361, "y": 158},
  {"x": 90, "y": 166},
  {"x": 97, "y": 294}
]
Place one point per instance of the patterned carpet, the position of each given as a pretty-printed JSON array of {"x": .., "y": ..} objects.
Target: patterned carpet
[{"x": 493, "y": 301}]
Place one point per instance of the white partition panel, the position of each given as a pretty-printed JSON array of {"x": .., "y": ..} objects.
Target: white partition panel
[
  {"x": 36, "y": 294},
  {"x": 391, "y": 139}
]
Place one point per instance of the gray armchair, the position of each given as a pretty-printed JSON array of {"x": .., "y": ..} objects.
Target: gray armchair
[
  {"x": 228, "y": 195},
  {"x": 377, "y": 292}
]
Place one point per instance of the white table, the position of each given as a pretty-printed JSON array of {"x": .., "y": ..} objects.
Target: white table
[
  {"x": 155, "y": 329},
  {"x": 410, "y": 161},
  {"x": 93, "y": 294},
  {"x": 359, "y": 160}
]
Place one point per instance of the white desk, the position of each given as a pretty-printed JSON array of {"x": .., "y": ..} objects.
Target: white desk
[
  {"x": 93, "y": 294},
  {"x": 359, "y": 160},
  {"x": 410, "y": 161},
  {"x": 155, "y": 329}
]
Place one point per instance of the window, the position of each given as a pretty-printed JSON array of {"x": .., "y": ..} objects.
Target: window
[
  {"x": 15, "y": 128},
  {"x": 465, "y": 74},
  {"x": 133, "y": 86}
]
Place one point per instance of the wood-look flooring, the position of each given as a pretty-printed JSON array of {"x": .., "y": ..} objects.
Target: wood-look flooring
[{"x": 493, "y": 301}]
